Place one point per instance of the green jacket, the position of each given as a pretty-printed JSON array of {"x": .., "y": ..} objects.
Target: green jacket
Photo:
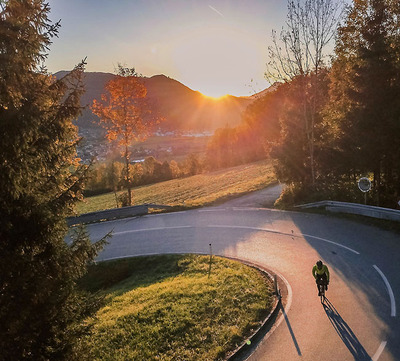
[{"x": 316, "y": 271}]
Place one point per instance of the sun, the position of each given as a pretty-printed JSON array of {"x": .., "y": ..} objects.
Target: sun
[
  {"x": 215, "y": 61},
  {"x": 216, "y": 98}
]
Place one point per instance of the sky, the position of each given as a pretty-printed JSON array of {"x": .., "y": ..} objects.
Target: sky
[{"x": 216, "y": 47}]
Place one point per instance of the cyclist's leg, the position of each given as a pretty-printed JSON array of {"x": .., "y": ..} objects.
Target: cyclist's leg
[{"x": 325, "y": 281}]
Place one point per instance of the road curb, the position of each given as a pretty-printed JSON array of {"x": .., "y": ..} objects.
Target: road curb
[{"x": 247, "y": 348}]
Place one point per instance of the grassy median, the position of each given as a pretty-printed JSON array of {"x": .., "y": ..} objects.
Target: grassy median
[{"x": 175, "y": 307}]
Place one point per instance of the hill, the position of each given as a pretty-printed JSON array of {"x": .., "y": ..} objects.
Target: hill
[
  {"x": 184, "y": 109},
  {"x": 264, "y": 92},
  {"x": 195, "y": 191}
]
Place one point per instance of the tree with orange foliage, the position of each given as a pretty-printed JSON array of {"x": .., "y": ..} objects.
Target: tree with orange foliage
[{"x": 122, "y": 112}]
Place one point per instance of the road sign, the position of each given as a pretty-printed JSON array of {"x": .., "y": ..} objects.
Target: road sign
[{"x": 364, "y": 184}]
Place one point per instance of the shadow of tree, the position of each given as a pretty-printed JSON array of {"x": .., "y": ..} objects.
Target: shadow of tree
[{"x": 345, "y": 332}]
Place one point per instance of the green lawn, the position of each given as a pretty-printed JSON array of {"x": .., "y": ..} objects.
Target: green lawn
[
  {"x": 193, "y": 191},
  {"x": 171, "y": 307}
]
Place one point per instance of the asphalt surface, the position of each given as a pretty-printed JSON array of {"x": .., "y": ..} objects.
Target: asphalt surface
[{"x": 360, "y": 319}]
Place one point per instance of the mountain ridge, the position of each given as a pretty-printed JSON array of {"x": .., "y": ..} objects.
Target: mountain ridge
[{"x": 184, "y": 109}]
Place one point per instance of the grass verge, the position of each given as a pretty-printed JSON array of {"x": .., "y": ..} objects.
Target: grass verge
[
  {"x": 171, "y": 307},
  {"x": 195, "y": 191}
]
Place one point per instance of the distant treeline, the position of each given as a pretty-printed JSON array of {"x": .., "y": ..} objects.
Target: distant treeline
[
  {"x": 253, "y": 139},
  {"x": 110, "y": 176}
]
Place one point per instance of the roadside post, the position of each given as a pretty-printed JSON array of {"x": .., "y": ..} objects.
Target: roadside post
[
  {"x": 209, "y": 269},
  {"x": 276, "y": 290}
]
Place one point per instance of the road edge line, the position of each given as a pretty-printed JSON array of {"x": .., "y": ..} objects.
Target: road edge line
[
  {"x": 379, "y": 351},
  {"x": 390, "y": 291}
]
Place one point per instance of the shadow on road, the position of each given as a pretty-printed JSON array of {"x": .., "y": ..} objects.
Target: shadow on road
[
  {"x": 344, "y": 331},
  {"x": 290, "y": 330},
  {"x": 356, "y": 270}
]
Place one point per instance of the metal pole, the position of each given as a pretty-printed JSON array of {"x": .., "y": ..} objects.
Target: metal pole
[{"x": 209, "y": 269}]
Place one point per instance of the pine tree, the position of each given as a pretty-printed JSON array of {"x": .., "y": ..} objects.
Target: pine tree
[
  {"x": 41, "y": 309},
  {"x": 365, "y": 89}
]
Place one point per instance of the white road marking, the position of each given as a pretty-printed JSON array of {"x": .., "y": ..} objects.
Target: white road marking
[
  {"x": 209, "y": 210},
  {"x": 241, "y": 209},
  {"x": 335, "y": 243},
  {"x": 286, "y": 234},
  {"x": 246, "y": 209},
  {"x": 379, "y": 351},
  {"x": 150, "y": 229},
  {"x": 391, "y": 295},
  {"x": 241, "y": 227}
]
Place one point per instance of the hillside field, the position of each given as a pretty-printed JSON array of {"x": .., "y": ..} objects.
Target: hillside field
[{"x": 196, "y": 191}]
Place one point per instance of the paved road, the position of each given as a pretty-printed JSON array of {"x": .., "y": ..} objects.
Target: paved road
[
  {"x": 263, "y": 198},
  {"x": 360, "y": 321}
]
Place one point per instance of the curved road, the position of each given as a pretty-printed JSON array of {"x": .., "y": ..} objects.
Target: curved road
[{"x": 360, "y": 321}]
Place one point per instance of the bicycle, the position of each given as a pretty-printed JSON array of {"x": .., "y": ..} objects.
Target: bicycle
[{"x": 321, "y": 289}]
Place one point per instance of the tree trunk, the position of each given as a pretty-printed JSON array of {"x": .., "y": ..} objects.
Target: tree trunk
[
  {"x": 311, "y": 147},
  {"x": 309, "y": 126},
  {"x": 128, "y": 176}
]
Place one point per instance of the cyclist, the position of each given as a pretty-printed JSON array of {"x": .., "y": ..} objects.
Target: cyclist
[{"x": 321, "y": 275}]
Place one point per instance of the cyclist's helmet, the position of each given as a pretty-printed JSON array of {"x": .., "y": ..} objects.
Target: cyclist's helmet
[{"x": 319, "y": 264}]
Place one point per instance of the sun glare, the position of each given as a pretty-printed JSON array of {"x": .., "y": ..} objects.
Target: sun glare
[
  {"x": 215, "y": 98},
  {"x": 213, "y": 60}
]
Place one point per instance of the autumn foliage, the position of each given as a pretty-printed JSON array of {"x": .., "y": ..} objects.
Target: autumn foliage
[
  {"x": 124, "y": 114},
  {"x": 121, "y": 108},
  {"x": 253, "y": 139}
]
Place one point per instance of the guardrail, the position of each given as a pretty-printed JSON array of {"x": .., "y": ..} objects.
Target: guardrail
[
  {"x": 356, "y": 208},
  {"x": 115, "y": 213}
]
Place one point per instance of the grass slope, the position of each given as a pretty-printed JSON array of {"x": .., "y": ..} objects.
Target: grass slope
[
  {"x": 195, "y": 191},
  {"x": 169, "y": 308}
]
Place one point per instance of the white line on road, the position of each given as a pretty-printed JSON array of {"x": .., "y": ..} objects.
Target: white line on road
[
  {"x": 239, "y": 227},
  {"x": 391, "y": 295},
  {"x": 247, "y": 209},
  {"x": 379, "y": 351},
  {"x": 328, "y": 241},
  {"x": 244, "y": 227},
  {"x": 210, "y": 210},
  {"x": 149, "y": 229},
  {"x": 139, "y": 255},
  {"x": 286, "y": 234}
]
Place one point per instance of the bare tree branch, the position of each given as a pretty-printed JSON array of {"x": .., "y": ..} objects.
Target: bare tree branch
[{"x": 300, "y": 51}]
